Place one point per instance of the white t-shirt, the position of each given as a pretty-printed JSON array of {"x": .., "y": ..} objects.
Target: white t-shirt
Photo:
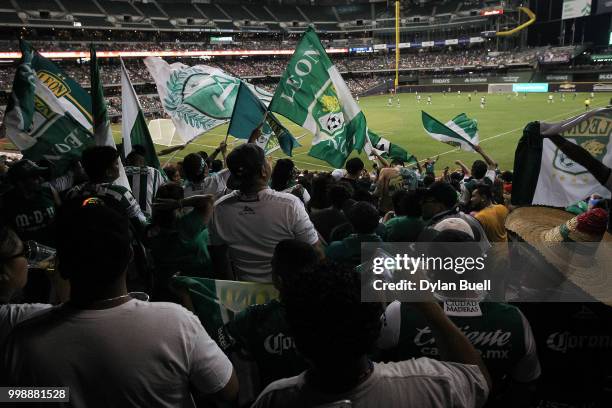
[
  {"x": 214, "y": 184},
  {"x": 252, "y": 227},
  {"x": 418, "y": 383},
  {"x": 138, "y": 354},
  {"x": 12, "y": 314}
]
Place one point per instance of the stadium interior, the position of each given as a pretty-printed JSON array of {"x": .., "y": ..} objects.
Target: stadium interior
[{"x": 254, "y": 39}]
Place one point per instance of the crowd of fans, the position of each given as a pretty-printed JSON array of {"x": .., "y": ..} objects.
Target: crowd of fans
[
  {"x": 239, "y": 217},
  {"x": 260, "y": 67}
]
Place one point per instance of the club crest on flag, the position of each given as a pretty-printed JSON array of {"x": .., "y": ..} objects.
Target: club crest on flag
[
  {"x": 329, "y": 112},
  {"x": 55, "y": 84},
  {"x": 196, "y": 95},
  {"x": 593, "y": 135}
]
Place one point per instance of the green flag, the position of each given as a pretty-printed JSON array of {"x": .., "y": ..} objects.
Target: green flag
[
  {"x": 313, "y": 94},
  {"x": 38, "y": 123},
  {"x": 103, "y": 134},
  {"x": 249, "y": 114},
  {"x": 461, "y": 131},
  {"x": 70, "y": 95},
  {"x": 386, "y": 149},
  {"x": 216, "y": 302},
  {"x": 134, "y": 129}
]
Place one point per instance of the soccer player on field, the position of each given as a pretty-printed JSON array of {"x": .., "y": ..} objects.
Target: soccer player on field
[
  {"x": 429, "y": 99},
  {"x": 483, "y": 102}
]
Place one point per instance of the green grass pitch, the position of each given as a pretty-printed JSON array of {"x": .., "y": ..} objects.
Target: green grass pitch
[{"x": 500, "y": 125}]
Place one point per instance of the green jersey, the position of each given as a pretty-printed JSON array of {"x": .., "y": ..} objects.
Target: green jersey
[
  {"x": 262, "y": 332},
  {"x": 183, "y": 248},
  {"x": 498, "y": 331},
  {"x": 31, "y": 218}
]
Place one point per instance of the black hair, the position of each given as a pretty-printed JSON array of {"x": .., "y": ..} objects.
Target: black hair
[
  {"x": 396, "y": 161},
  {"x": 167, "y": 218},
  {"x": 396, "y": 198},
  {"x": 282, "y": 174},
  {"x": 444, "y": 193},
  {"x": 320, "y": 185},
  {"x": 170, "y": 171},
  {"x": 507, "y": 176},
  {"x": 410, "y": 204},
  {"x": 428, "y": 180},
  {"x": 284, "y": 265},
  {"x": 131, "y": 158},
  {"x": 93, "y": 241},
  {"x": 363, "y": 216},
  {"x": 216, "y": 165},
  {"x": 485, "y": 190},
  {"x": 96, "y": 160},
  {"x": 338, "y": 194},
  {"x": 354, "y": 166},
  {"x": 327, "y": 319},
  {"x": 479, "y": 169},
  {"x": 194, "y": 167}
]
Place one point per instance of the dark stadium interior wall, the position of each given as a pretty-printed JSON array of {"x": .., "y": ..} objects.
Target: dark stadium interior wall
[{"x": 548, "y": 28}]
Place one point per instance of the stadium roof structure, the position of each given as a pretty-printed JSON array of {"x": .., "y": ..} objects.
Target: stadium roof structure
[{"x": 236, "y": 16}]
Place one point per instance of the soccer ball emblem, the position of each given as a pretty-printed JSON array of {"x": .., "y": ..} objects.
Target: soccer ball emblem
[{"x": 334, "y": 122}]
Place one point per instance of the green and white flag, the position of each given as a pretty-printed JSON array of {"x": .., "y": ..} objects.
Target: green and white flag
[
  {"x": 69, "y": 94},
  {"x": 103, "y": 134},
  {"x": 37, "y": 122},
  {"x": 134, "y": 129},
  {"x": 543, "y": 175},
  {"x": 313, "y": 94},
  {"x": 249, "y": 114},
  {"x": 216, "y": 302},
  {"x": 386, "y": 149},
  {"x": 461, "y": 131},
  {"x": 197, "y": 98}
]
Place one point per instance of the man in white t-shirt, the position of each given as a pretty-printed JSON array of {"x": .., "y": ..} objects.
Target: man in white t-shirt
[
  {"x": 198, "y": 181},
  {"x": 334, "y": 330},
  {"x": 109, "y": 348},
  {"x": 247, "y": 224}
]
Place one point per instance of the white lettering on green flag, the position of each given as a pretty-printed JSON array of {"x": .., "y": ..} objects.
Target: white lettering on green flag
[
  {"x": 312, "y": 94},
  {"x": 38, "y": 124},
  {"x": 197, "y": 98}
]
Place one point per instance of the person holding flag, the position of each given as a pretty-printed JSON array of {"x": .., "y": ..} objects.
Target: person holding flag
[{"x": 312, "y": 94}]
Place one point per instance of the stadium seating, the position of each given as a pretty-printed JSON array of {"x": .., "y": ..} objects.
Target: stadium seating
[
  {"x": 260, "y": 12},
  {"x": 118, "y": 8},
  {"x": 180, "y": 10},
  {"x": 80, "y": 7},
  {"x": 315, "y": 13},
  {"x": 38, "y": 5},
  {"x": 90, "y": 21},
  {"x": 286, "y": 13},
  {"x": 149, "y": 10},
  {"x": 9, "y": 17},
  {"x": 354, "y": 12},
  {"x": 212, "y": 12},
  {"x": 237, "y": 12}
]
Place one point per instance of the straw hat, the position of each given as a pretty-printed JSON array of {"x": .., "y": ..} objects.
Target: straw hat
[{"x": 577, "y": 246}]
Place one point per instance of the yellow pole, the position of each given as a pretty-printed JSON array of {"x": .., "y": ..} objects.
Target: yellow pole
[{"x": 397, "y": 42}]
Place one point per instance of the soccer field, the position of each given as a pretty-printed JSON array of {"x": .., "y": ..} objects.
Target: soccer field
[{"x": 500, "y": 125}]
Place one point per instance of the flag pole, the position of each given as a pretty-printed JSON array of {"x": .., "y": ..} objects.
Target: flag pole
[{"x": 397, "y": 42}]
